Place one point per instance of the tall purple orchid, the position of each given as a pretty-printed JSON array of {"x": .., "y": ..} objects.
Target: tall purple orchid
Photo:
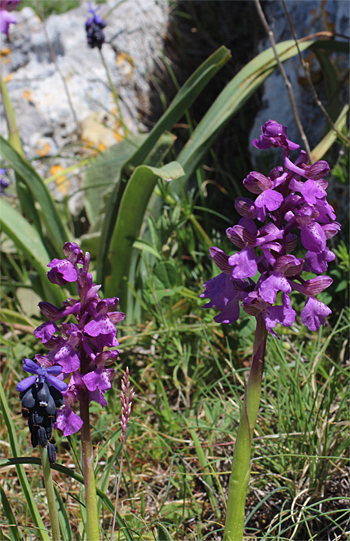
[
  {"x": 291, "y": 203},
  {"x": 79, "y": 351}
]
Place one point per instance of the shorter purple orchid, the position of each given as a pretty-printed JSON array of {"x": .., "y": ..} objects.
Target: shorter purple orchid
[
  {"x": 78, "y": 349},
  {"x": 264, "y": 271}
]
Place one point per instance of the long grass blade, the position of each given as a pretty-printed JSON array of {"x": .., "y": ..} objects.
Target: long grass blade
[
  {"x": 63, "y": 518},
  {"x": 323, "y": 146}
]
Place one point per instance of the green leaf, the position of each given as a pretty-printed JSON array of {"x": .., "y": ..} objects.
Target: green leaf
[
  {"x": 102, "y": 175},
  {"x": 145, "y": 246},
  {"x": 63, "y": 518},
  {"x": 163, "y": 534},
  {"x": 13, "y": 317},
  {"x": 26, "y": 489},
  {"x": 230, "y": 100},
  {"x": 15, "y": 534},
  {"x": 182, "y": 101},
  {"x": 127, "y": 228},
  {"x": 28, "y": 240},
  {"x": 57, "y": 232},
  {"x": 28, "y": 301},
  {"x": 323, "y": 146},
  {"x": 166, "y": 273}
]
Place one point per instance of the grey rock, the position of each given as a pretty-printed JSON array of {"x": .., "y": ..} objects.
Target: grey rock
[{"x": 34, "y": 69}]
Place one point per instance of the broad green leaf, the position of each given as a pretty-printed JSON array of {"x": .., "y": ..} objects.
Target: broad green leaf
[
  {"x": 163, "y": 534},
  {"x": 230, "y": 100},
  {"x": 26, "y": 489},
  {"x": 15, "y": 534},
  {"x": 165, "y": 271},
  {"x": 182, "y": 101},
  {"x": 57, "y": 232},
  {"x": 130, "y": 217},
  {"x": 331, "y": 45},
  {"x": 323, "y": 146},
  {"x": 17, "y": 461},
  {"x": 28, "y": 240},
  {"x": 101, "y": 177},
  {"x": 24, "y": 196}
]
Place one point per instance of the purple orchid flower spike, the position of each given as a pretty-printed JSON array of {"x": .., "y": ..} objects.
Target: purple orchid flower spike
[{"x": 288, "y": 200}]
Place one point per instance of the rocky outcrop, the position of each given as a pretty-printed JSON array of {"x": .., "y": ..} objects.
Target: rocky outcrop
[{"x": 44, "y": 60}]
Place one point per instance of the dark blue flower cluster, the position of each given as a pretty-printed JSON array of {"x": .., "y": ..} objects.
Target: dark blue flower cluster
[
  {"x": 94, "y": 29},
  {"x": 41, "y": 395}
]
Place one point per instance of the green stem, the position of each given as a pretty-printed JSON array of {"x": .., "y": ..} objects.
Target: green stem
[
  {"x": 13, "y": 137},
  {"x": 92, "y": 522},
  {"x": 115, "y": 96},
  {"x": 50, "y": 493},
  {"x": 241, "y": 466}
]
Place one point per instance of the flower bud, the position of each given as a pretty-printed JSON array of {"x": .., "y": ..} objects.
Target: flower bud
[
  {"x": 314, "y": 286},
  {"x": 51, "y": 453},
  {"x": 317, "y": 170},
  {"x": 240, "y": 236},
  {"x": 42, "y": 437},
  {"x": 288, "y": 265},
  {"x": 245, "y": 207}
]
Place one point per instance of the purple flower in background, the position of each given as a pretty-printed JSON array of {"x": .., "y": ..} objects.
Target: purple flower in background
[
  {"x": 78, "y": 349},
  {"x": 263, "y": 273},
  {"x": 94, "y": 29},
  {"x": 6, "y": 18}
]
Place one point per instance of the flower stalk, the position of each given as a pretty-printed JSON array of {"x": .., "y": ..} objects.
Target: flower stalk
[
  {"x": 241, "y": 462},
  {"x": 92, "y": 522},
  {"x": 50, "y": 493}
]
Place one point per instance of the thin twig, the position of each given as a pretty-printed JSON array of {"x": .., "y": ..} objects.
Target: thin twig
[
  {"x": 306, "y": 67},
  {"x": 285, "y": 79},
  {"x": 54, "y": 60}
]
